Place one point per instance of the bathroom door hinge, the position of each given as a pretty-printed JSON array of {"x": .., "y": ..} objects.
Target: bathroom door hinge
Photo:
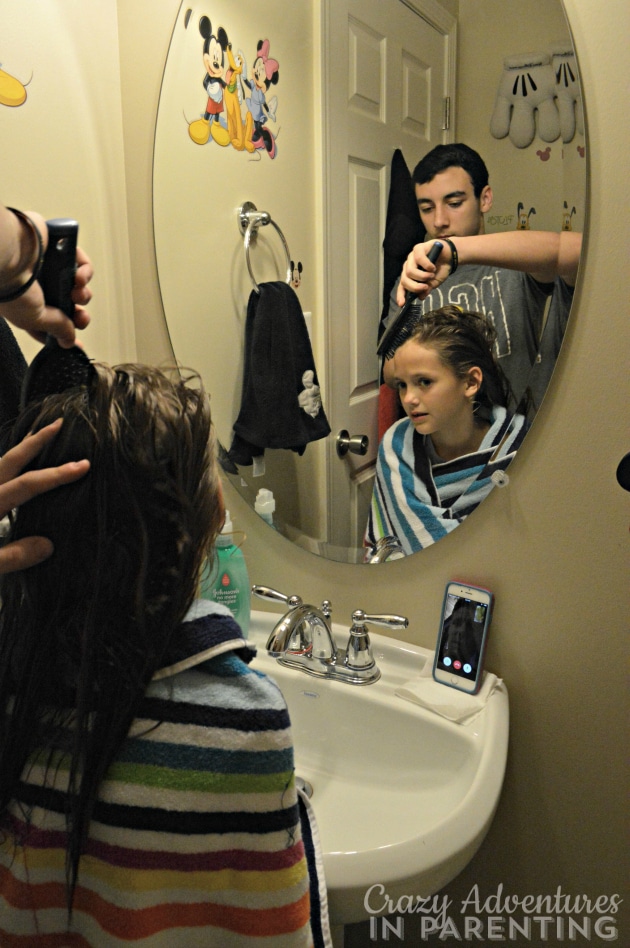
[{"x": 447, "y": 113}]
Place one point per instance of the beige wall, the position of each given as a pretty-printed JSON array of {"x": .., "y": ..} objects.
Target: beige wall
[
  {"x": 204, "y": 280},
  {"x": 553, "y": 545},
  {"x": 543, "y": 175},
  {"x": 62, "y": 150}
]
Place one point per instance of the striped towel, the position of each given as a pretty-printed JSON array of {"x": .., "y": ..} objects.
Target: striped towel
[
  {"x": 195, "y": 840},
  {"x": 418, "y": 501},
  {"x": 320, "y": 924}
]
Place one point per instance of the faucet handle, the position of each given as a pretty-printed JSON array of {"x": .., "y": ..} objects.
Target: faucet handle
[
  {"x": 359, "y": 653},
  {"x": 266, "y": 592},
  {"x": 359, "y": 618}
]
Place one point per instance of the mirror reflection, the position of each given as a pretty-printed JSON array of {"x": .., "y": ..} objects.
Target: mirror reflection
[
  {"x": 466, "y": 384},
  {"x": 513, "y": 224},
  {"x": 437, "y": 464}
]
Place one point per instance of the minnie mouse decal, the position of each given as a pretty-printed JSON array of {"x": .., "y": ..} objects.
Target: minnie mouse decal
[{"x": 265, "y": 73}]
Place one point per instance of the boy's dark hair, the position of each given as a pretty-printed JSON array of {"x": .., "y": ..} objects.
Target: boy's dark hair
[{"x": 455, "y": 155}]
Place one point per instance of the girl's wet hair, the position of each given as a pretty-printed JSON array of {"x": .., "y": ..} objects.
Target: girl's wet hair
[
  {"x": 88, "y": 628},
  {"x": 462, "y": 340}
]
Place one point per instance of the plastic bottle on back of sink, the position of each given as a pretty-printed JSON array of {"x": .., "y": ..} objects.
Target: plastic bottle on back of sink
[
  {"x": 265, "y": 505},
  {"x": 225, "y": 578}
]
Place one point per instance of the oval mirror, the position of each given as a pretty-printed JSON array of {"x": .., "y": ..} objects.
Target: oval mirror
[{"x": 314, "y": 145}]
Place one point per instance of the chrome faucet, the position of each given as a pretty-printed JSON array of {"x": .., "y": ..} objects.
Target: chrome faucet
[
  {"x": 385, "y": 549},
  {"x": 303, "y": 639},
  {"x": 304, "y": 629}
]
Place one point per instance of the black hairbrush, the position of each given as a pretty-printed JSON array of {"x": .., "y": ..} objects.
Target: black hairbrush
[
  {"x": 53, "y": 370},
  {"x": 398, "y": 331}
]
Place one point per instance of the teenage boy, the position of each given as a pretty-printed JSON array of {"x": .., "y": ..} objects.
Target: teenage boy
[{"x": 511, "y": 277}]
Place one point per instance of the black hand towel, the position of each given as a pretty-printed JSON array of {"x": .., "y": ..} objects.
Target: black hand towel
[
  {"x": 403, "y": 227},
  {"x": 281, "y": 404}
]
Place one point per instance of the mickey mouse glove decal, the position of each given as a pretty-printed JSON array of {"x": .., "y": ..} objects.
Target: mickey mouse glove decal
[
  {"x": 568, "y": 95},
  {"x": 526, "y": 91}
]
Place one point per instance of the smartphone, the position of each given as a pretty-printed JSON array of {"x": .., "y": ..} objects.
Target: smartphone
[
  {"x": 60, "y": 262},
  {"x": 461, "y": 642}
]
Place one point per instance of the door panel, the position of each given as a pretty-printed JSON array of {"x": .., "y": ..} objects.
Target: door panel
[{"x": 387, "y": 72}]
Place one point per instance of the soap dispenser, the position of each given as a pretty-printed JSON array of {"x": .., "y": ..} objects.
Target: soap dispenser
[{"x": 225, "y": 578}]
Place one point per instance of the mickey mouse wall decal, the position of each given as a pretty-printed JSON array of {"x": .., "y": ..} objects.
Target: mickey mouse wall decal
[{"x": 296, "y": 274}]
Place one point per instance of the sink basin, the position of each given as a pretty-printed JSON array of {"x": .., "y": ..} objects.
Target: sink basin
[{"x": 403, "y": 797}]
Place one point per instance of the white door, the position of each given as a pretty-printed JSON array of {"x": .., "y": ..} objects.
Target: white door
[{"x": 389, "y": 66}]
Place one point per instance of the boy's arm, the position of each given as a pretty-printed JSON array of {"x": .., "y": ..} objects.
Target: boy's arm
[{"x": 545, "y": 255}]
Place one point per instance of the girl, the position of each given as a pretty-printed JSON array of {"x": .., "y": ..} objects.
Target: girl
[
  {"x": 146, "y": 773},
  {"x": 434, "y": 466}
]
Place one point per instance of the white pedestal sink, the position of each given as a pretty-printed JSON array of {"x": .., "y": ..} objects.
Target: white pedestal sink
[{"x": 403, "y": 797}]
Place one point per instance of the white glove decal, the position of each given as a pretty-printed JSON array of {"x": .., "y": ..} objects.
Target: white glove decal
[
  {"x": 568, "y": 95},
  {"x": 526, "y": 89}
]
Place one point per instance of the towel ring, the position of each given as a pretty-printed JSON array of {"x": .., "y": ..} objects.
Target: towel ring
[{"x": 249, "y": 220}]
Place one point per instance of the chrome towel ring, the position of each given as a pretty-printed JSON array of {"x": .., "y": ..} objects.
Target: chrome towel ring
[{"x": 249, "y": 220}]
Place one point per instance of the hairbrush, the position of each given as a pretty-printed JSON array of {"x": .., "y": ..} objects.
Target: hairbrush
[{"x": 398, "y": 331}]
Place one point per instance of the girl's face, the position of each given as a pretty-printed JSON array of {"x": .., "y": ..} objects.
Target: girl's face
[{"x": 435, "y": 399}]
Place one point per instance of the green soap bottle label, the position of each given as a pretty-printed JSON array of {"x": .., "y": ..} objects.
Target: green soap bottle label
[{"x": 226, "y": 592}]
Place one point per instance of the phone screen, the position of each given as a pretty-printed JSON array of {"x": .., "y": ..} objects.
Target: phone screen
[{"x": 460, "y": 648}]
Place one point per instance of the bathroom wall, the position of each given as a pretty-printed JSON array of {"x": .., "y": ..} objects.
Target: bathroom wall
[
  {"x": 62, "y": 149},
  {"x": 198, "y": 186},
  {"x": 543, "y": 175},
  {"x": 553, "y": 545}
]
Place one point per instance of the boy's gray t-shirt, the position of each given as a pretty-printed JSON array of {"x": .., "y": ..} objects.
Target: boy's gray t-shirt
[{"x": 513, "y": 301}]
